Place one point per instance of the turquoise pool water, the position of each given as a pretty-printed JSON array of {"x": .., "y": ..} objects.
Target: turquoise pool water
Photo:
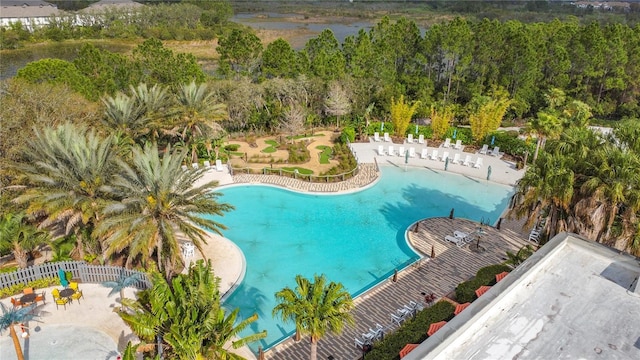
[{"x": 356, "y": 239}]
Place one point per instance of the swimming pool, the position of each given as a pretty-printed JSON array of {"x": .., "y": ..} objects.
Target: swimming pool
[{"x": 356, "y": 239}]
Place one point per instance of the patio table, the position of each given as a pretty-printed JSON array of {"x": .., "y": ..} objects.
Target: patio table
[
  {"x": 66, "y": 293},
  {"x": 28, "y": 298}
]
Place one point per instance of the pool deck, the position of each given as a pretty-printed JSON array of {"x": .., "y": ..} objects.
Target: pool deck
[{"x": 440, "y": 275}]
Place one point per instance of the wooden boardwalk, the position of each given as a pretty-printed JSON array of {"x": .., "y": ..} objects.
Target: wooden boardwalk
[{"x": 439, "y": 275}]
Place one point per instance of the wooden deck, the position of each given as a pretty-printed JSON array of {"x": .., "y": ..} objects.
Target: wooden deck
[{"x": 439, "y": 275}]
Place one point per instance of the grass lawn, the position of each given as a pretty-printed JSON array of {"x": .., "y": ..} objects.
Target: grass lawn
[
  {"x": 325, "y": 155},
  {"x": 301, "y": 171},
  {"x": 271, "y": 149}
]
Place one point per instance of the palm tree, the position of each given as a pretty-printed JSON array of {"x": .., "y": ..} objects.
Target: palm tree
[
  {"x": 546, "y": 190},
  {"x": 156, "y": 200},
  {"x": 64, "y": 171},
  {"x": 121, "y": 283},
  {"x": 315, "y": 307},
  {"x": 520, "y": 256},
  {"x": 186, "y": 318},
  {"x": 197, "y": 112},
  {"x": 20, "y": 236},
  {"x": 12, "y": 317},
  {"x": 157, "y": 108},
  {"x": 124, "y": 115}
]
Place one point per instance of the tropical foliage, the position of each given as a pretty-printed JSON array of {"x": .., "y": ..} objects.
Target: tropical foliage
[
  {"x": 186, "y": 317},
  {"x": 316, "y": 308},
  {"x": 401, "y": 114}
]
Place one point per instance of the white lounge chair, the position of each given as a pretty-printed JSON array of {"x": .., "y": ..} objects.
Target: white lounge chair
[
  {"x": 185, "y": 168},
  {"x": 434, "y": 155},
  {"x": 412, "y": 152},
  {"x": 207, "y": 164},
  {"x": 391, "y": 151},
  {"x": 447, "y": 143},
  {"x": 219, "y": 165},
  {"x": 484, "y": 149},
  {"x": 460, "y": 234},
  {"x": 458, "y": 145},
  {"x": 534, "y": 235},
  {"x": 387, "y": 138},
  {"x": 495, "y": 151},
  {"x": 456, "y": 158},
  {"x": 376, "y": 136},
  {"x": 194, "y": 165},
  {"x": 359, "y": 344},
  {"x": 424, "y": 154},
  {"x": 381, "y": 150},
  {"x": 421, "y": 139},
  {"x": 455, "y": 240},
  {"x": 396, "y": 319},
  {"x": 401, "y": 151},
  {"x": 410, "y": 138},
  {"x": 478, "y": 163},
  {"x": 467, "y": 160},
  {"x": 445, "y": 156}
]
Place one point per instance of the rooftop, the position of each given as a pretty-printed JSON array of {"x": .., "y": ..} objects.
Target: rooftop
[{"x": 572, "y": 299}]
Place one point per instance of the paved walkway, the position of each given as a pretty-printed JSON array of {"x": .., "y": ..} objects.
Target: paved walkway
[{"x": 440, "y": 275}]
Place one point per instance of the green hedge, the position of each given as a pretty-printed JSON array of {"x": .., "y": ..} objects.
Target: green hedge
[
  {"x": 348, "y": 133},
  {"x": 511, "y": 144},
  {"x": 413, "y": 331},
  {"x": 36, "y": 284},
  {"x": 466, "y": 291}
]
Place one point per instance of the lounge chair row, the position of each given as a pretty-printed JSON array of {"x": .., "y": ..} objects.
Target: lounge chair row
[
  {"x": 387, "y": 138},
  {"x": 206, "y": 164},
  {"x": 434, "y": 156},
  {"x": 494, "y": 152}
]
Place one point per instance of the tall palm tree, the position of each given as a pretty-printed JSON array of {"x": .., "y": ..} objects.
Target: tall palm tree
[
  {"x": 546, "y": 191},
  {"x": 20, "y": 236},
  {"x": 64, "y": 171},
  {"x": 197, "y": 114},
  {"x": 315, "y": 307},
  {"x": 12, "y": 317},
  {"x": 186, "y": 316},
  {"x": 156, "y": 200}
]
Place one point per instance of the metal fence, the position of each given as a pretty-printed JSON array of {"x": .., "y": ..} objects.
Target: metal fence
[{"x": 80, "y": 270}]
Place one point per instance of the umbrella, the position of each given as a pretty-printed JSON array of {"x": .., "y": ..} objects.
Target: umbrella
[
  {"x": 406, "y": 160},
  {"x": 488, "y": 172},
  {"x": 416, "y": 129},
  {"x": 395, "y": 275},
  {"x": 446, "y": 164},
  {"x": 433, "y": 252},
  {"x": 63, "y": 277},
  {"x": 493, "y": 139},
  {"x": 455, "y": 132},
  {"x": 382, "y": 126}
]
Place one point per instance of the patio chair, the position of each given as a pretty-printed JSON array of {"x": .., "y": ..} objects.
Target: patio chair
[
  {"x": 495, "y": 151},
  {"x": 16, "y": 302},
  {"x": 456, "y": 158},
  {"x": 40, "y": 297},
  {"x": 478, "y": 163},
  {"x": 27, "y": 291},
  {"x": 376, "y": 136},
  {"x": 380, "y": 150},
  {"x": 467, "y": 161},
  {"x": 410, "y": 138},
  {"x": 359, "y": 344},
  {"x": 421, "y": 139},
  {"x": 484, "y": 149},
  {"x": 55, "y": 293},
  {"x": 61, "y": 301},
  {"x": 424, "y": 154},
  {"x": 184, "y": 168},
  {"x": 447, "y": 143},
  {"x": 387, "y": 138},
  {"x": 445, "y": 156},
  {"x": 396, "y": 319},
  {"x": 77, "y": 295},
  {"x": 194, "y": 165},
  {"x": 434, "y": 155},
  {"x": 207, "y": 164},
  {"x": 458, "y": 145},
  {"x": 219, "y": 165},
  {"x": 401, "y": 151},
  {"x": 391, "y": 151}
]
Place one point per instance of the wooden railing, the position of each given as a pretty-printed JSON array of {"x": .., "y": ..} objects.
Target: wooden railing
[{"x": 80, "y": 270}]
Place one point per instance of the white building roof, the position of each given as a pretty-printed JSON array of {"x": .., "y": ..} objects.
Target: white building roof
[{"x": 573, "y": 299}]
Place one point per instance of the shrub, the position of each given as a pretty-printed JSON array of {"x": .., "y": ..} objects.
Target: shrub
[
  {"x": 466, "y": 291},
  {"x": 231, "y": 147},
  {"x": 510, "y": 143},
  {"x": 463, "y": 134},
  {"x": 412, "y": 331},
  {"x": 298, "y": 153},
  {"x": 348, "y": 134}
]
